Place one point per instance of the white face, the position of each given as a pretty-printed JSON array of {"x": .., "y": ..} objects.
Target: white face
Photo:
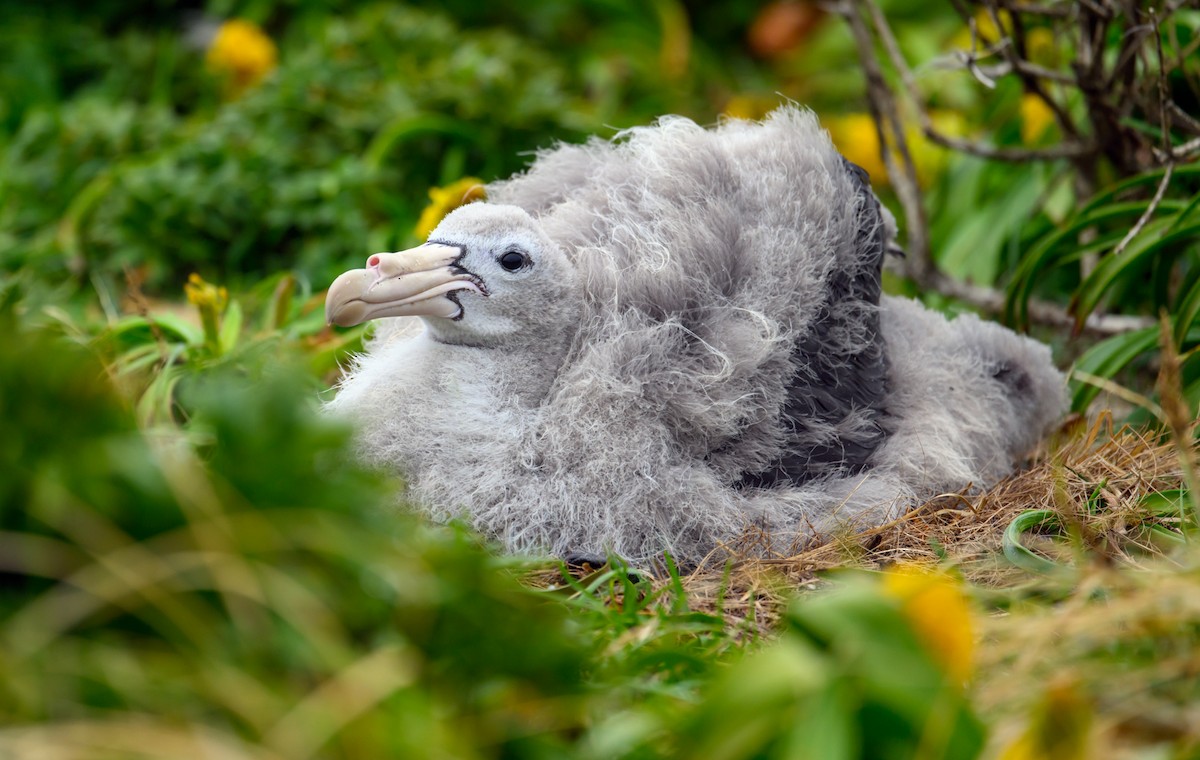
[{"x": 488, "y": 277}]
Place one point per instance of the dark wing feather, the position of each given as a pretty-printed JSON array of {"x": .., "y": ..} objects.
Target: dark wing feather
[{"x": 827, "y": 384}]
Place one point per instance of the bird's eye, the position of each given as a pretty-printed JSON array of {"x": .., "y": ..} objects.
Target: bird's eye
[{"x": 513, "y": 260}]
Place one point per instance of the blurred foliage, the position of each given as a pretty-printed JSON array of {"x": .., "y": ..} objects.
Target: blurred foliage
[
  {"x": 250, "y": 578},
  {"x": 1156, "y": 270},
  {"x": 158, "y": 164},
  {"x": 326, "y": 159},
  {"x": 832, "y": 687},
  {"x": 242, "y": 582},
  {"x": 151, "y": 355}
]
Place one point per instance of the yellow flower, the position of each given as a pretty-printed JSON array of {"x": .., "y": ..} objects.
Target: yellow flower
[
  {"x": 939, "y": 614},
  {"x": 210, "y": 300},
  {"x": 1060, "y": 726},
  {"x": 986, "y": 26},
  {"x": 242, "y": 53},
  {"x": 446, "y": 199},
  {"x": 205, "y": 295},
  {"x": 986, "y": 31},
  {"x": 749, "y": 106},
  {"x": 1042, "y": 47},
  {"x": 1036, "y": 118},
  {"x": 857, "y": 139}
]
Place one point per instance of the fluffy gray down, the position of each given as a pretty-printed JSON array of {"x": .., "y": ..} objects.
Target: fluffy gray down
[{"x": 691, "y": 350}]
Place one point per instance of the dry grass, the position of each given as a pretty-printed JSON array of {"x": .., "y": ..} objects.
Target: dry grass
[{"x": 1115, "y": 661}]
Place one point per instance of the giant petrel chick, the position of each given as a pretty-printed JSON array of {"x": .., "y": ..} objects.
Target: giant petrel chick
[{"x": 673, "y": 340}]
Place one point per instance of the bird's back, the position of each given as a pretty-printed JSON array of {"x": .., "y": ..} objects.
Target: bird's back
[{"x": 733, "y": 275}]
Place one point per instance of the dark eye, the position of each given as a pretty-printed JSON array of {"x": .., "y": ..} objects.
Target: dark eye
[{"x": 513, "y": 260}]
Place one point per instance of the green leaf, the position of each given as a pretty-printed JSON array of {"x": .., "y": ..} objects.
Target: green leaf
[
  {"x": 1020, "y": 555},
  {"x": 280, "y": 307},
  {"x": 155, "y": 407},
  {"x": 407, "y": 127},
  {"x": 1144, "y": 247},
  {"x": 139, "y": 358},
  {"x": 1108, "y": 357},
  {"x": 973, "y": 248},
  {"x": 1173, "y": 504},
  {"x": 331, "y": 353},
  {"x": 825, "y": 730},
  {"x": 1186, "y": 212},
  {"x": 169, "y": 326},
  {"x": 231, "y": 327},
  {"x": 1061, "y": 247},
  {"x": 1169, "y": 503},
  {"x": 1187, "y": 307},
  {"x": 80, "y": 209},
  {"x": 1152, "y": 177}
]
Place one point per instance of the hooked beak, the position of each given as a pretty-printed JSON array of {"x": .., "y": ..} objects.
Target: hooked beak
[{"x": 421, "y": 281}]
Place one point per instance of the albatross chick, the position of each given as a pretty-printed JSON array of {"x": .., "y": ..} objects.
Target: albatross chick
[{"x": 663, "y": 341}]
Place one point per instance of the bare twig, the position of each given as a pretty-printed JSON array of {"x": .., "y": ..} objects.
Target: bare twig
[
  {"x": 919, "y": 263},
  {"x": 1015, "y": 54},
  {"x": 1022, "y": 66},
  {"x": 1099, "y": 10},
  {"x": 1166, "y": 143},
  {"x": 1185, "y": 119},
  {"x": 1163, "y": 96},
  {"x": 1109, "y": 134},
  {"x": 1019, "y": 155},
  {"x": 1049, "y": 11},
  {"x": 1149, "y": 212},
  {"x": 1044, "y": 313},
  {"x": 1014, "y": 155},
  {"x": 1188, "y": 148}
]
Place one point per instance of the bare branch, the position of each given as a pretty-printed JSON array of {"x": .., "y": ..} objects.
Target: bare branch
[
  {"x": 1182, "y": 119},
  {"x": 1188, "y": 148},
  {"x": 1063, "y": 150},
  {"x": 1039, "y": 312},
  {"x": 975, "y": 70},
  {"x": 1018, "y": 155},
  {"x": 1099, "y": 10},
  {"x": 1089, "y": 74},
  {"x": 1149, "y": 212},
  {"x": 1049, "y": 11},
  {"x": 1022, "y": 66},
  {"x": 1015, "y": 54},
  {"x": 904, "y": 178},
  {"x": 1163, "y": 96}
]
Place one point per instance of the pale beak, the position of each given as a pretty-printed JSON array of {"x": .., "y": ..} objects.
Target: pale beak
[{"x": 418, "y": 282}]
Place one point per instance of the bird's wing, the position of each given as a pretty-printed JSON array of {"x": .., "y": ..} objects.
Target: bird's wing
[
  {"x": 838, "y": 392},
  {"x": 732, "y": 279}
]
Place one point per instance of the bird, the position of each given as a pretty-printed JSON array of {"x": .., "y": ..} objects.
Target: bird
[{"x": 675, "y": 341}]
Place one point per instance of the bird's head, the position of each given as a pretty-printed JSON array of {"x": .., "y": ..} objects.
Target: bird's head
[{"x": 488, "y": 277}]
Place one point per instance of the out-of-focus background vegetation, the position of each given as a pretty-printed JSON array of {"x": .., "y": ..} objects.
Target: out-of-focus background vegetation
[{"x": 191, "y": 563}]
